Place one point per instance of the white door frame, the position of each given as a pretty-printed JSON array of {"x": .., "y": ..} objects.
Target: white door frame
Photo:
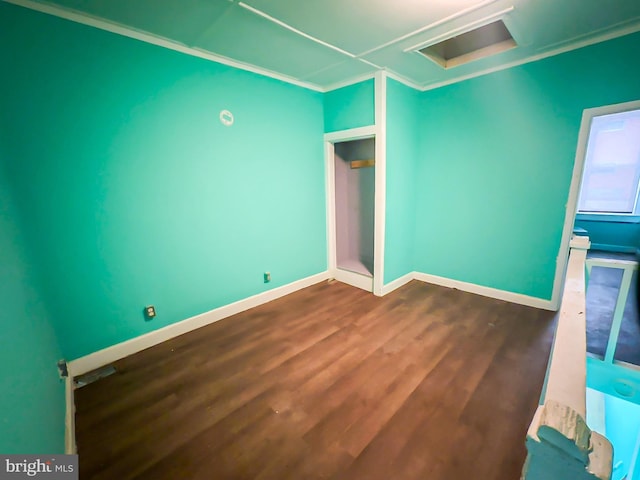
[
  {"x": 574, "y": 191},
  {"x": 377, "y": 131},
  {"x": 330, "y": 139}
]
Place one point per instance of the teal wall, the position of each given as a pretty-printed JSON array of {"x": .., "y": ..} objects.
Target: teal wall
[
  {"x": 349, "y": 107},
  {"x": 613, "y": 236},
  {"x": 136, "y": 194},
  {"x": 32, "y": 402},
  {"x": 623, "y": 430},
  {"x": 402, "y": 157},
  {"x": 497, "y": 155},
  {"x": 121, "y": 188}
]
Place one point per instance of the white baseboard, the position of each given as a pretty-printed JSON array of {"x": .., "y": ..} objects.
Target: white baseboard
[
  {"x": 70, "y": 417},
  {"x": 486, "y": 291},
  {"x": 357, "y": 280},
  {"x": 116, "y": 352},
  {"x": 121, "y": 350},
  {"x": 398, "y": 282}
]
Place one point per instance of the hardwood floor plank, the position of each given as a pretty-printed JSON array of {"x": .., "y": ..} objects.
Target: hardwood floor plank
[{"x": 330, "y": 382}]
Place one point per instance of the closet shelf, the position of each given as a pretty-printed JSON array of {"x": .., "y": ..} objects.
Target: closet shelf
[{"x": 362, "y": 163}]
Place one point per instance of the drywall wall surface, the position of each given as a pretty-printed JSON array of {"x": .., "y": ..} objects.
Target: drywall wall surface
[
  {"x": 611, "y": 235},
  {"x": 349, "y": 107},
  {"x": 622, "y": 420},
  {"x": 32, "y": 405},
  {"x": 403, "y": 136},
  {"x": 496, "y": 160},
  {"x": 135, "y": 192}
]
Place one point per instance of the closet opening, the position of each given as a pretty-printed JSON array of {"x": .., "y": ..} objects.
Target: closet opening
[{"x": 354, "y": 176}]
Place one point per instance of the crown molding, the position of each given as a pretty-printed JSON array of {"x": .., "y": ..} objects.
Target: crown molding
[{"x": 146, "y": 37}]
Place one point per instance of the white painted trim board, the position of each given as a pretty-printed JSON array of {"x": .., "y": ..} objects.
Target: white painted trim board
[
  {"x": 626, "y": 30},
  {"x": 574, "y": 191},
  {"x": 481, "y": 22},
  {"x": 397, "y": 283},
  {"x": 70, "y": 417},
  {"x": 631, "y": 26},
  {"x": 119, "y": 29},
  {"x": 129, "y": 347},
  {"x": 495, "y": 293},
  {"x": 348, "y": 82},
  {"x": 330, "y": 139},
  {"x": 351, "y": 134},
  {"x": 354, "y": 279},
  {"x": 489, "y": 292},
  {"x": 380, "y": 201},
  {"x": 116, "y": 352},
  {"x": 330, "y": 186}
]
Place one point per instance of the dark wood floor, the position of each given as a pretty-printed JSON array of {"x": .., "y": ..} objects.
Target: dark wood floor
[{"x": 327, "y": 383}]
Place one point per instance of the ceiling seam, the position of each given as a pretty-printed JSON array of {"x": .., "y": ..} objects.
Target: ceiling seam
[
  {"x": 118, "y": 29},
  {"x": 294, "y": 30}
]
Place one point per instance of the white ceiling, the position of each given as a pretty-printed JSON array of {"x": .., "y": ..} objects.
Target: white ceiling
[{"x": 325, "y": 43}]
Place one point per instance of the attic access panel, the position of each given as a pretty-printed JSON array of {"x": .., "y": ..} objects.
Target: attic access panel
[{"x": 481, "y": 42}]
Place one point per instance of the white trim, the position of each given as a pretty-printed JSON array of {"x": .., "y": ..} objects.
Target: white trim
[
  {"x": 570, "y": 211},
  {"x": 399, "y": 78},
  {"x": 574, "y": 190},
  {"x": 633, "y": 28},
  {"x": 582, "y": 36},
  {"x": 330, "y": 139},
  {"x": 123, "y": 30},
  {"x": 70, "y": 417},
  {"x": 580, "y": 241},
  {"x": 611, "y": 109},
  {"x": 611, "y": 263},
  {"x": 398, "y": 282},
  {"x": 380, "y": 181},
  {"x": 330, "y": 66},
  {"x": 374, "y": 65},
  {"x": 121, "y": 350},
  {"x": 119, "y": 29},
  {"x": 282, "y": 24},
  {"x": 460, "y": 30},
  {"x": 354, "y": 279},
  {"x": 486, "y": 291},
  {"x": 330, "y": 188},
  {"x": 429, "y": 27},
  {"x": 349, "y": 82},
  {"x": 350, "y": 134}
]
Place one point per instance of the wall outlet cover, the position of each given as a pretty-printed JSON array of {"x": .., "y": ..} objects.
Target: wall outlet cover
[{"x": 149, "y": 312}]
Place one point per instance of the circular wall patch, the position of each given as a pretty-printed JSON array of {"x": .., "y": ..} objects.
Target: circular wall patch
[
  {"x": 226, "y": 118},
  {"x": 624, "y": 388}
]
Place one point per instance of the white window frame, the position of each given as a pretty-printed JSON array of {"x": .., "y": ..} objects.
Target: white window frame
[{"x": 585, "y": 130}]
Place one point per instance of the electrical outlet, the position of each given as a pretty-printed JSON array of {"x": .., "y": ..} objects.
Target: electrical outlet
[
  {"x": 267, "y": 277},
  {"x": 149, "y": 312},
  {"x": 63, "y": 369}
]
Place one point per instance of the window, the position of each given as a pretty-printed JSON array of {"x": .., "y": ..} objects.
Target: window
[{"x": 611, "y": 174}]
